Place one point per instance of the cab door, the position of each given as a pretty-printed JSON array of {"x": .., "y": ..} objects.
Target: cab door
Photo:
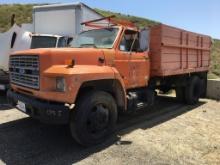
[
  {"x": 132, "y": 62},
  {"x": 139, "y": 69}
]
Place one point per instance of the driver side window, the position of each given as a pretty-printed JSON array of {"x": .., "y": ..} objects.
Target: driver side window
[{"x": 130, "y": 41}]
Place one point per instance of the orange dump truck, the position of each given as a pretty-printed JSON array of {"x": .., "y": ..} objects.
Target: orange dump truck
[{"x": 108, "y": 69}]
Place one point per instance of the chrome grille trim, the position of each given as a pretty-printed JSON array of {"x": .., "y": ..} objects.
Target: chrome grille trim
[{"x": 24, "y": 70}]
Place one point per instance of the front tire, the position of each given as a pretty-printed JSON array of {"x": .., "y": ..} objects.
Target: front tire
[{"x": 94, "y": 118}]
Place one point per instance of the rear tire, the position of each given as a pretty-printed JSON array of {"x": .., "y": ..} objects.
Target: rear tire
[
  {"x": 94, "y": 118},
  {"x": 180, "y": 94},
  {"x": 193, "y": 90},
  {"x": 203, "y": 87}
]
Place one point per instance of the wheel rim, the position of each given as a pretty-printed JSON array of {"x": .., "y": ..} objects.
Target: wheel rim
[{"x": 98, "y": 120}]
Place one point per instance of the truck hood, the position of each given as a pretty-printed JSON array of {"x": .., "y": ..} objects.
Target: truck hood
[{"x": 61, "y": 56}]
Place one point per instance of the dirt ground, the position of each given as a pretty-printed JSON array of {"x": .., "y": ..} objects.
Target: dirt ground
[{"x": 168, "y": 133}]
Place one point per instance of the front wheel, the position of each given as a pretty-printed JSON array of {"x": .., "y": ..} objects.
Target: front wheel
[{"x": 94, "y": 118}]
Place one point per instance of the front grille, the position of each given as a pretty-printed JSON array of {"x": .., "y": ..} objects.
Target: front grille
[{"x": 24, "y": 70}]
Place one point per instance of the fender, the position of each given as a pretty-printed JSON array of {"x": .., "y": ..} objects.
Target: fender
[{"x": 80, "y": 74}]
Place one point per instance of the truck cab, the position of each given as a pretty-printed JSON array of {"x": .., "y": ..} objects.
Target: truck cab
[{"x": 49, "y": 41}]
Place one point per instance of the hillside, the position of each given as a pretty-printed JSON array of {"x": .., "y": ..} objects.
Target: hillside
[
  {"x": 141, "y": 22},
  {"x": 215, "y": 61},
  {"x": 24, "y": 15}
]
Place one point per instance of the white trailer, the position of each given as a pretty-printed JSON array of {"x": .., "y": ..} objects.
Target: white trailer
[
  {"x": 62, "y": 19},
  {"x": 13, "y": 40}
]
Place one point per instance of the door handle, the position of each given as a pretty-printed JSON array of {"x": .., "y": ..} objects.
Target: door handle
[{"x": 101, "y": 60}]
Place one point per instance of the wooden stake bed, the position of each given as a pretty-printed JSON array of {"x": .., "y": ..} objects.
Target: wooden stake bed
[{"x": 175, "y": 51}]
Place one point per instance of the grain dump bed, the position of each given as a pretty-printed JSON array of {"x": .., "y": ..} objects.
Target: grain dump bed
[{"x": 175, "y": 51}]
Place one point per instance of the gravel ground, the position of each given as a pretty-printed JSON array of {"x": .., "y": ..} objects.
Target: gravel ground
[{"x": 168, "y": 133}]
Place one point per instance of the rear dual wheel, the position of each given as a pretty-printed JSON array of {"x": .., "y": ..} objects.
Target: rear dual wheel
[
  {"x": 94, "y": 118},
  {"x": 180, "y": 94},
  {"x": 191, "y": 93},
  {"x": 194, "y": 90}
]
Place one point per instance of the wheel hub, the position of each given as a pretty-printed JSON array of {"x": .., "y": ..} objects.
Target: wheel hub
[{"x": 98, "y": 119}]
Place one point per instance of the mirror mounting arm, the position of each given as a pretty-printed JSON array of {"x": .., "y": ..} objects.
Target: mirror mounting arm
[{"x": 132, "y": 45}]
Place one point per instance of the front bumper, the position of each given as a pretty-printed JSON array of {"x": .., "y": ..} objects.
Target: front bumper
[{"x": 47, "y": 112}]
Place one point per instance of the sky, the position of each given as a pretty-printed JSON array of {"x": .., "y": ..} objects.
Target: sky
[{"x": 201, "y": 16}]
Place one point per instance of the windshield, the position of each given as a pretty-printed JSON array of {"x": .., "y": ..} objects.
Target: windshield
[
  {"x": 43, "y": 42},
  {"x": 97, "y": 38}
]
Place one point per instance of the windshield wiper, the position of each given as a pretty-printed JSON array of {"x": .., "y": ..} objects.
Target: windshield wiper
[{"x": 88, "y": 45}]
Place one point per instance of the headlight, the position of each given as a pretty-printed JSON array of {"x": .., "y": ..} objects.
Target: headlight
[{"x": 60, "y": 84}]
